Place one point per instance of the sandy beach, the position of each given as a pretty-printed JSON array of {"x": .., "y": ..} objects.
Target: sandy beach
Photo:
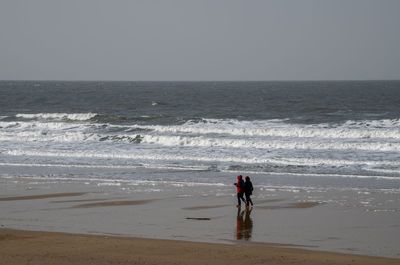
[
  {"x": 68, "y": 222},
  {"x": 27, "y": 247}
]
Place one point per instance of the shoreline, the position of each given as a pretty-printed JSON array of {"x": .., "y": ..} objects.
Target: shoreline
[{"x": 38, "y": 247}]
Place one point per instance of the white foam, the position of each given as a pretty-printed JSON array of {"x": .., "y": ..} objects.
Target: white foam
[
  {"x": 214, "y": 133},
  {"x": 323, "y": 175},
  {"x": 277, "y": 128},
  {"x": 379, "y": 129},
  {"x": 58, "y": 116},
  {"x": 36, "y": 131},
  {"x": 69, "y": 165},
  {"x": 105, "y": 166},
  {"x": 294, "y": 144},
  {"x": 207, "y": 158},
  {"x": 41, "y": 136},
  {"x": 385, "y": 123},
  {"x": 353, "y": 146},
  {"x": 137, "y": 182},
  {"x": 109, "y": 184},
  {"x": 386, "y": 171}
]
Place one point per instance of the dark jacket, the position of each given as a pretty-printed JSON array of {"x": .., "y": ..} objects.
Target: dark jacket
[{"x": 248, "y": 186}]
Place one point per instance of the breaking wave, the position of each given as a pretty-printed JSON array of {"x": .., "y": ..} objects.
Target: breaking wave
[
  {"x": 58, "y": 116},
  {"x": 278, "y": 128},
  {"x": 368, "y": 147}
]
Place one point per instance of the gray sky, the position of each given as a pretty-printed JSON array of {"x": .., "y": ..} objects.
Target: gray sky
[{"x": 199, "y": 39}]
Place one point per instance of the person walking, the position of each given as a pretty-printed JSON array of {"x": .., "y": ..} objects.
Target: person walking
[
  {"x": 240, "y": 190},
  {"x": 248, "y": 191}
]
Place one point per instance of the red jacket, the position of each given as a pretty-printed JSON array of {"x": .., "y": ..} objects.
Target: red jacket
[{"x": 240, "y": 185}]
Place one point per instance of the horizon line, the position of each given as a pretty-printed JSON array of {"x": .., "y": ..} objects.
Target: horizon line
[{"x": 277, "y": 80}]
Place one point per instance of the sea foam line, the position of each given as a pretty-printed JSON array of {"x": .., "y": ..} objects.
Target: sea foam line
[
  {"x": 128, "y": 181},
  {"x": 106, "y": 166},
  {"x": 197, "y": 141},
  {"x": 201, "y": 141},
  {"x": 58, "y": 116},
  {"x": 285, "y": 130},
  {"x": 380, "y": 129},
  {"x": 210, "y": 159},
  {"x": 324, "y": 175}
]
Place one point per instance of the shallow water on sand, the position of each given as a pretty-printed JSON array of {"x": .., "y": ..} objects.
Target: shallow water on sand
[{"x": 348, "y": 221}]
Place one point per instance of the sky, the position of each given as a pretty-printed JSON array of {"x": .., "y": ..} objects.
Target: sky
[{"x": 196, "y": 40}]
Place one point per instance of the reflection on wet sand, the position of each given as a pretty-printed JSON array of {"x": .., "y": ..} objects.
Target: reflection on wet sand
[
  {"x": 244, "y": 224},
  {"x": 114, "y": 203},
  {"x": 293, "y": 205}
]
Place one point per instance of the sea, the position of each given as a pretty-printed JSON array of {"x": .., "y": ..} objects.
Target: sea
[
  {"x": 323, "y": 156},
  {"x": 317, "y": 134}
]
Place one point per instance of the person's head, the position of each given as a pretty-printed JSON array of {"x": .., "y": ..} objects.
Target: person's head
[
  {"x": 240, "y": 177},
  {"x": 247, "y": 178}
]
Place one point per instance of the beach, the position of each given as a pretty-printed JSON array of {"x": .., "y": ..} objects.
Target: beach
[
  {"x": 99, "y": 228},
  {"x": 93, "y": 222},
  {"x": 27, "y": 247}
]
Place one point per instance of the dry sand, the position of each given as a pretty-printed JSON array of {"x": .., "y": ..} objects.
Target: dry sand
[{"x": 43, "y": 248}]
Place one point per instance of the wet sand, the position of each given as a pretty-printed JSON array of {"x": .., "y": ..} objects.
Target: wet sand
[
  {"x": 45, "y": 248},
  {"x": 277, "y": 225},
  {"x": 42, "y": 196},
  {"x": 113, "y": 203},
  {"x": 204, "y": 207},
  {"x": 296, "y": 205}
]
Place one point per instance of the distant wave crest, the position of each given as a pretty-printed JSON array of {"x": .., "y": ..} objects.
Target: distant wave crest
[{"x": 58, "y": 116}]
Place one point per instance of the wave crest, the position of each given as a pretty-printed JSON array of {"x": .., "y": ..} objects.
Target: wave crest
[{"x": 59, "y": 116}]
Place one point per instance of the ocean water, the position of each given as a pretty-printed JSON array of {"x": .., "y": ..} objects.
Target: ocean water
[{"x": 342, "y": 135}]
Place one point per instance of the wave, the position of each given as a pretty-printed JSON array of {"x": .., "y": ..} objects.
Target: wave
[
  {"x": 92, "y": 117},
  {"x": 268, "y": 135},
  {"x": 101, "y": 118},
  {"x": 265, "y": 144},
  {"x": 200, "y": 141},
  {"x": 379, "y": 124},
  {"x": 366, "y": 129},
  {"x": 58, "y": 116},
  {"x": 278, "y": 128},
  {"x": 38, "y": 136}
]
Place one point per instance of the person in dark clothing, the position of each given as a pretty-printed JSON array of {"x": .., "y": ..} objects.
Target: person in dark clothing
[
  {"x": 248, "y": 191},
  {"x": 240, "y": 189}
]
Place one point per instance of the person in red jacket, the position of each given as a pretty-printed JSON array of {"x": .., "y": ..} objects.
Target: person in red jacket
[{"x": 240, "y": 189}]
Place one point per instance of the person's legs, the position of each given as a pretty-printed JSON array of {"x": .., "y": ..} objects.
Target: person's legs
[
  {"x": 248, "y": 200},
  {"x": 251, "y": 202},
  {"x": 240, "y": 197}
]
